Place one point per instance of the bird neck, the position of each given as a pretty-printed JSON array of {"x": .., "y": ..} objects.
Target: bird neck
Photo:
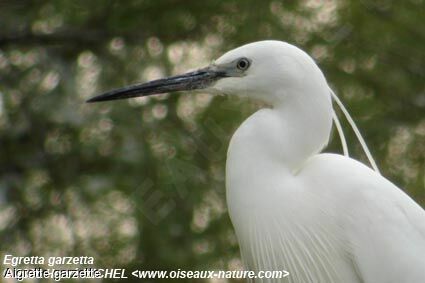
[{"x": 307, "y": 123}]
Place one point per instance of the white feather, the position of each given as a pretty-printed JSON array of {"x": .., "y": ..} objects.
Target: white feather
[{"x": 322, "y": 217}]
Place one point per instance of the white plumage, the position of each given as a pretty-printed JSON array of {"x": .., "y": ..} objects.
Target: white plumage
[{"x": 322, "y": 217}]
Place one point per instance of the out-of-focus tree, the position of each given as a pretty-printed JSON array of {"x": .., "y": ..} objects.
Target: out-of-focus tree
[{"x": 140, "y": 183}]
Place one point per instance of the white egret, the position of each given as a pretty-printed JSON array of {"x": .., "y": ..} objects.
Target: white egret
[{"x": 323, "y": 217}]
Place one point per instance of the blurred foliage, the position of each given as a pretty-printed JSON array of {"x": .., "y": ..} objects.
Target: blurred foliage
[{"x": 140, "y": 183}]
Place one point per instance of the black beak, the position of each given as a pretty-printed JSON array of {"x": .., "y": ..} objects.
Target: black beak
[{"x": 199, "y": 79}]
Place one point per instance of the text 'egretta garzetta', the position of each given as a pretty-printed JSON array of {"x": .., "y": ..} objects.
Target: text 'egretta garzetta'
[{"x": 322, "y": 217}]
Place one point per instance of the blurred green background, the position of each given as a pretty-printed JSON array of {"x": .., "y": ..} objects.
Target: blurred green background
[{"x": 140, "y": 183}]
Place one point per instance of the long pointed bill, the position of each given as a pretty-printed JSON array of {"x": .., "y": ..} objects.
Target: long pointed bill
[{"x": 199, "y": 79}]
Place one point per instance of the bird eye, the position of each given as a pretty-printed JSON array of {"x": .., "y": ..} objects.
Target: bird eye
[{"x": 243, "y": 64}]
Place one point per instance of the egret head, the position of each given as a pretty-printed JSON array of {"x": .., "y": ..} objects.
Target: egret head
[
  {"x": 266, "y": 70},
  {"x": 272, "y": 71}
]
